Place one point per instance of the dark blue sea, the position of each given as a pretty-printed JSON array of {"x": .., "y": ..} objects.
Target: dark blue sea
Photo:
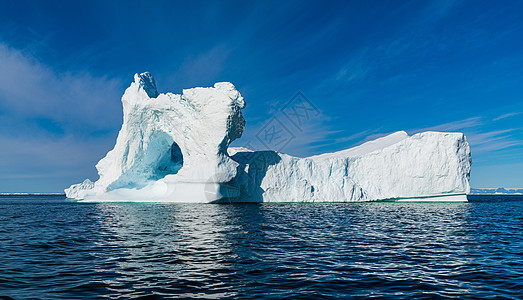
[{"x": 53, "y": 248}]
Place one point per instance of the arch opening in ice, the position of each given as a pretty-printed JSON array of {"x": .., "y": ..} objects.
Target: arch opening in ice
[{"x": 171, "y": 161}]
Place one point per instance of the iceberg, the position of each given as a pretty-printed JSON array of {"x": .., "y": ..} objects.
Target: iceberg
[{"x": 175, "y": 148}]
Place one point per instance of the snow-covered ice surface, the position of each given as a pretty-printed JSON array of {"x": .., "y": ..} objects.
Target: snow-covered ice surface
[
  {"x": 175, "y": 148},
  {"x": 424, "y": 165}
]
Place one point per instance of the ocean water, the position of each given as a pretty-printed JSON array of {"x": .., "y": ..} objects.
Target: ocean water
[{"x": 53, "y": 248}]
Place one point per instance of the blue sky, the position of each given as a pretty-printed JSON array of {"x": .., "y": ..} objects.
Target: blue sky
[{"x": 369, "y": 67}]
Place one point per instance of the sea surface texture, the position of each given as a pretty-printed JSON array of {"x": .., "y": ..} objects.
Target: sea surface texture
[{"x": 53, "y": 248}]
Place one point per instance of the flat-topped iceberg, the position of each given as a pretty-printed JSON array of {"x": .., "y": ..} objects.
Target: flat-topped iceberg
[{"x": 175, "y": 148}]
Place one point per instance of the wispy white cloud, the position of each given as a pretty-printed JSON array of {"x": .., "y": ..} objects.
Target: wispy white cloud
[
  {"x": 493, "y": 140},
  {"x": 508, "y": 115},
  {"x": 202, "y": 69},
  {"x": 76, "y": 101},
  {"x": 437, "y": 10},
  {"x": 481, "y": 139},
  {"x": 365, "y": 134},
  {"x": 357, "y": 68},
  {"x": 452, "y": 126},
  {"x": 303, "y": 139}
]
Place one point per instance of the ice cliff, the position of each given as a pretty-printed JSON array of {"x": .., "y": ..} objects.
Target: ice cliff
[{"x": 176, "y": 148}]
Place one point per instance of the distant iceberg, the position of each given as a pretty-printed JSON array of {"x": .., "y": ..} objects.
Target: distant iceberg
[
  {"x": 496, "y": 191},
  {"x": 175, "y": 148}
]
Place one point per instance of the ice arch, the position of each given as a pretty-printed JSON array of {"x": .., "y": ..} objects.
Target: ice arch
[
  {"x": 171, "y": 161},
  {"x": 159, "y": 157},
  {"x": 169, "y": 140}
]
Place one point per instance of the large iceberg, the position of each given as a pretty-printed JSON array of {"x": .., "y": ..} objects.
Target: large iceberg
[{"x": 175, "y": 148}]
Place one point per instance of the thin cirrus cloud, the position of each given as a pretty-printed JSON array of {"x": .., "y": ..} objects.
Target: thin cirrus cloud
[
  {"x": 480, "y": 137},
  {"x": 508, "y": 115}
]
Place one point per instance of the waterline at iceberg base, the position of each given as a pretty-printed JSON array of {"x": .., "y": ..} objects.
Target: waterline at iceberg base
[{"x": 175, "y": 148}]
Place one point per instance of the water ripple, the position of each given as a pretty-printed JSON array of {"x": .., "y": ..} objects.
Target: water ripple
[{"x": 52, "y": 248}]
